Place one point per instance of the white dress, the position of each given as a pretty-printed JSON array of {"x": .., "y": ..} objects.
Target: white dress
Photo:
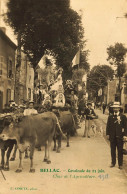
[
  {"x": 30, "y": 111},
  {"x": 58, "y": 82},
  {"x": 60, "y": 102}
]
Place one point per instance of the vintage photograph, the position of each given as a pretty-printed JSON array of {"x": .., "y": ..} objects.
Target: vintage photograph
[{"x": 63, "y": 96}]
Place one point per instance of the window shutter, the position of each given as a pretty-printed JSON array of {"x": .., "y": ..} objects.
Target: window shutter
[
  {"x": 8, "y": 95},
  {"x": 8, "y": 67}
]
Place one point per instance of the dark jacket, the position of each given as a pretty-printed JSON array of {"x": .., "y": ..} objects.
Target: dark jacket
[
  {"x": 116, "y": 127},
  {"x": 82, "y": 105},
  {"x": 89, "y": 113}
]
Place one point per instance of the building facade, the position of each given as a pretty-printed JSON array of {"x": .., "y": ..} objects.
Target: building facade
[
  {"x": 25, "y": 85},
  {"x": 7, "y": 69}
]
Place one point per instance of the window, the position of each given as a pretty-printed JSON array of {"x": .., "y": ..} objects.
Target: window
[
  {"x": 1, "y": 101},
  {"x": 8, "y": 96},
  {"x": 9, "y": 69},
  {"x": 29, "y": 94},
  {"x": 1, "y": 64}
]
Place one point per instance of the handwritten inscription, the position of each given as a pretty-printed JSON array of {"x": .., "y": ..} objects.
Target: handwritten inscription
[{"x": 83, "y": 174}]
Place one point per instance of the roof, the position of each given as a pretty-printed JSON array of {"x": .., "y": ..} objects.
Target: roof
[{"x": 7, "y": 39}]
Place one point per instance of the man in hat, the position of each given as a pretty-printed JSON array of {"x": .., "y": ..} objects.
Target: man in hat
[
  {"x": 82, "y": 106},
  {"x": 116, "y": 130},
  {"x": 90, "y": 114},
  {"x": 30, "y": 110},
  {"x": 74, "y": 107}
]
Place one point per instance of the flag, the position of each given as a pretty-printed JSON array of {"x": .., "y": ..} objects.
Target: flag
[{"x": 76, "y": 59}]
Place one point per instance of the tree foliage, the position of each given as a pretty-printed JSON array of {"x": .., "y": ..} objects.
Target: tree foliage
[
  {"x": 77, "y": 75},
  {"x": 49, "y": 25},
  {"x": 98, "y": 77},
  {"x": 84, "y": 61},
  {"x": 116, "y": 56}
]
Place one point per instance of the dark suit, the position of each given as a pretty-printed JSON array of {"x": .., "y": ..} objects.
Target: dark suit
[{"x": 116, "y": 129}]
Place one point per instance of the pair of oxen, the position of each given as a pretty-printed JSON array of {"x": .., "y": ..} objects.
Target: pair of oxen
[{"x": 33, "y": 131}]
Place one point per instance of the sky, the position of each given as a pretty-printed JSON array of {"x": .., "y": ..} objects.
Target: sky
[
  {"x": 9, "y": 31},
  {"x": 104, "y": 25}
]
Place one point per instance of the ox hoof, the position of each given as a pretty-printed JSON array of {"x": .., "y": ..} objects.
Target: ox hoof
[
  {"x": 6, "y": 168},
  {"x": 48, "y": 161},
  {"x": 18, "y": 170},
  {"x": 67, "y": 145},
  {"x": 32, "y": 170},
  {"x": 12, "y": 159},
  {"x": 54, "y": 149},
  {"x": 1, "y": 167},
  {"x": 58, "y": 151},
  {"x": 45, "y": 160}
]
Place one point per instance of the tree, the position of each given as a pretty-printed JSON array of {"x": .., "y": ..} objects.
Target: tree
[
  {"x": 77, "y": 75},
  {"x": 46, "y": 25},
  {"x": 98, "y": 77},
  {"x": 84, "y": 60},
  {"x": 116, "y": 56},
  {"x": 81, "y": 70},
  {"x": 46, "y": 72},
  {"x": 49, "y": 26}
]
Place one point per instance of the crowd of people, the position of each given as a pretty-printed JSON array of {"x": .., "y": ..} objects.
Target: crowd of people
[
  {"x": 65, "y": 98},
  {"x": 53, "y": 96}
]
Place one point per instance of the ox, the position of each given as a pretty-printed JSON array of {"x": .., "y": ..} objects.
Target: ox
[
  {"x": 6, "y": 145},
  {"x": 32, "y": 130},
  {"x": 68, "y": 127}
]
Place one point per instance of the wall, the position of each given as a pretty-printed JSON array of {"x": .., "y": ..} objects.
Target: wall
[
  {"x": 7, "y": 55},
  {"x": 25, "y": 87}
]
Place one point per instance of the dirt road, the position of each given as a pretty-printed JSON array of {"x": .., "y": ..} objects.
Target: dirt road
[{"x": 83, "y": 169}]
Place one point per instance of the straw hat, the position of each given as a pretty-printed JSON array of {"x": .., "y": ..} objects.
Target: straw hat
[
  {"x": 31, "y": 102},
  {"x": 89, "y": 103},
  {"x": 116, "y": 105}
]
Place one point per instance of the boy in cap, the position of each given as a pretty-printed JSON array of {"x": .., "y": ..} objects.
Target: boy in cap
[
  {"x": 30, "y": 110},
  {"x": 90, "y": 114},
  {"x": 116, "y": 130}
]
